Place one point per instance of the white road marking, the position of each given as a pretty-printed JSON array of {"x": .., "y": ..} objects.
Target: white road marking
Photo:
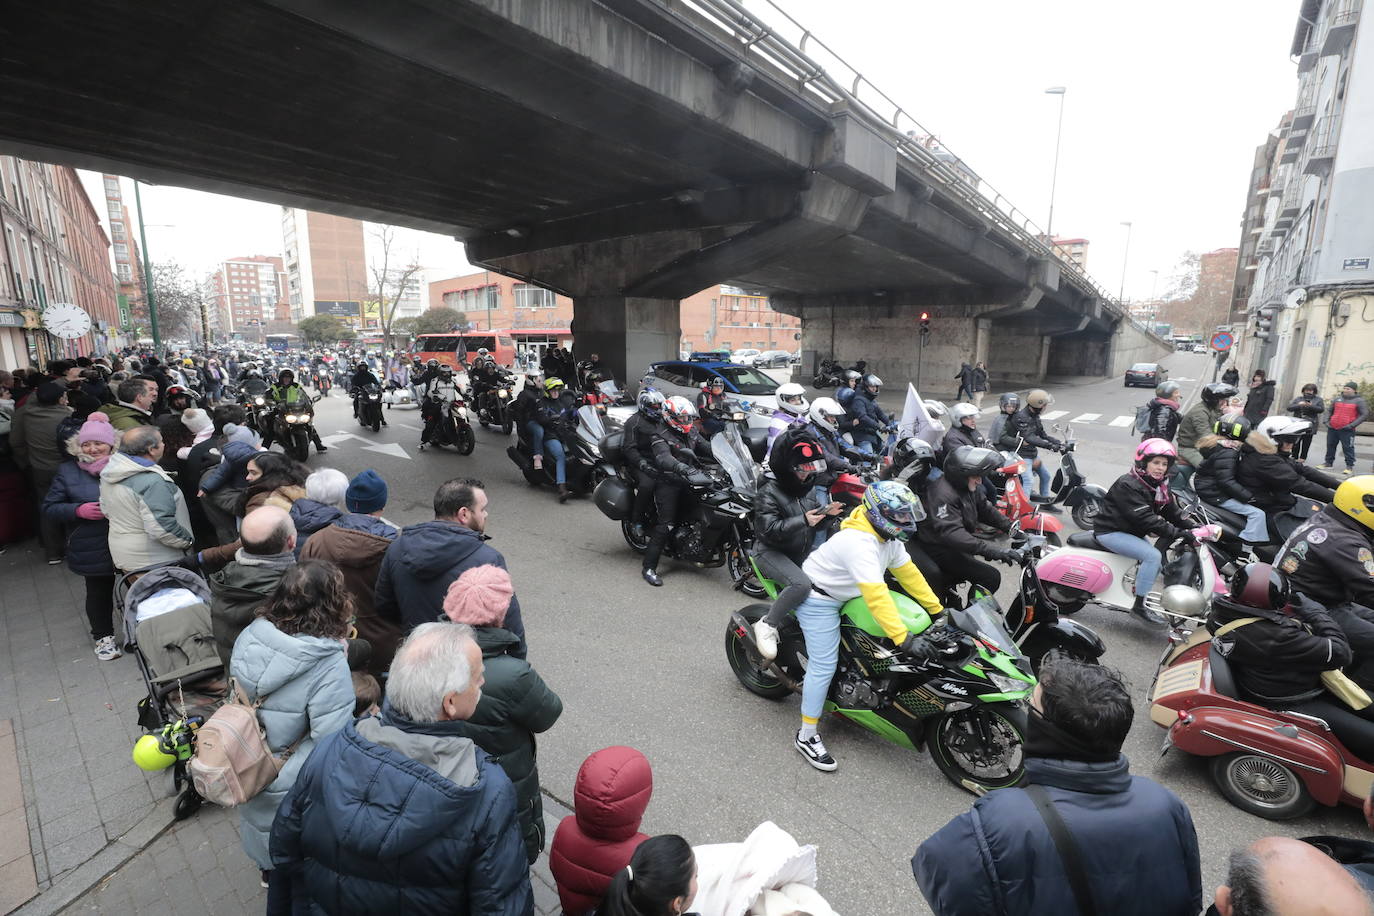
[
  {"x": 406, "y": 425},
  {"x": 1055, "y": 415},
  {"x": 1122, "y": 421},
  {"x": 388, "y": 448},
  {"x": 1085, "y": 418}
]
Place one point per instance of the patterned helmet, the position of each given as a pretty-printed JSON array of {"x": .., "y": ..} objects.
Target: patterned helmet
[
  {"x": 651, "y": 402},
  {"x": 892, "y": 509},
  {"x": 912, "y": 459},
  {"x": 1232, "y": 426},
  {"x": 553, "y": 384},
  {"x": 680, "y": 413}
]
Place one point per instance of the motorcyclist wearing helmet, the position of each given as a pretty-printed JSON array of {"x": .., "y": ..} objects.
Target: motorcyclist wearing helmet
[
  {"x": 869, "y": 420},
  {"x": 711, "y": 406},
  {"x": 848, "y": 388},
  {"x": 791, "y": 410},
  {"x": 555, "y": 417},
  {"x": 637, "y": 447},
  {"x": 284, "y": 394},
  {"x": 869, "y": 544},
  {"x": 1164, "y": 417},
  {"x": 1198, "y": 422},
  {"x": 1278, "y": 642},
  {"x": 1140, "y": 503},
  {"x": 1007, "y": 405},
  {"x": 1330, "y": 559},
  {"x": 428, "y": 374},
  {"x": 825, "y": 417},
  {"x": 955, "y": 504},
  {"x": 1268, "y": 471},
  {"x": 436, "y": 396},
  {"x": 484, "y": 375},
  {"x": 1215, "y": 481},
  {"x": 680, "y": 453},
  {"x": 913, "y": 459},
  {"x": 964, "y": 432},
  {"x": 1024, "y": 433},
  {"x": 786, "y": 515}
]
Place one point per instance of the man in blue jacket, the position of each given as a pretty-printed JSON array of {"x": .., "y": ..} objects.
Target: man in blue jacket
[
  {"x": 1132, "y": 839},
  {"x": 870, "y": 421},
  {"x": 399, "y": 813},
  {"x": 422, "y": 563}
]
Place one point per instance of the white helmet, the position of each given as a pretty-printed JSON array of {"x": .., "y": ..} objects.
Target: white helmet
[
  {"x": 792, "y": 398},
  {"x": 934, "y": 409},
  {"x": 1279, "y": 429},
  {"x": 823, "y": 410},
  {"x": 961, "y": 410}
]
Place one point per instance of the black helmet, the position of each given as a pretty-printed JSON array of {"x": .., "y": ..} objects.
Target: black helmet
[
  {"x": 284, "y": 373},
  {"x": 1216, "y": 392},
  {"x": 1260, "y": 585},
  {"x": 971, "y": 461},
  {"x": 912, "y": 460},
  {"x": 796, "y": 450},
  {"x": 1232, "y": 426},
  {"x": 1011, "y": 397}
]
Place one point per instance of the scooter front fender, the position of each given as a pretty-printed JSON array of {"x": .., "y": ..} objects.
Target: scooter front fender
[
  {"x": 1038, "y": 521},
  {"x": 1211, "y": 731}
]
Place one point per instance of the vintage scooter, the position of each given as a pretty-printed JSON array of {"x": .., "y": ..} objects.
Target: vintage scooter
[
  {"x": 1071, "y": 488},
  {"x": 1015, "y": 503}
]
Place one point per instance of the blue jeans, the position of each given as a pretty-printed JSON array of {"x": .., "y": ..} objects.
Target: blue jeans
[
  {"x": 821, "y": 533},
  {"x": 819, "y": 618},
  {"x": 1031, "y": 472},
  {"x": 1137, "y": 548},
  {"x": 539, "y": 445},
  {"x": 866, "y": 443},
  {"x": 1257, "y": 529},
  {"x": 1346, "y": 437}
]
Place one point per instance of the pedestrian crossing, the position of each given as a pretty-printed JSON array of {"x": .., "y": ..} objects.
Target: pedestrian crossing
[
  {"x": 1122, "y": 421},
  {"x": 1087, "y": 419}
]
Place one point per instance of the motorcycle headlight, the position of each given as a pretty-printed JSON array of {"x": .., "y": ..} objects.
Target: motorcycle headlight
[
  {"x": 374, "y": 397},
  {"x": 503, "y": 393},
  {"x": 259, "y": 401},
  {"x": 1006, "y": 683},
  {"x": 290, "y": 418}
]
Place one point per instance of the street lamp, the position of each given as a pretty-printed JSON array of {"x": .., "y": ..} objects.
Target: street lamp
[
  {"x": 1125, "y": 259},
  {"x": 147, "y": 272},
  {"x": 1054, "y": 176}
]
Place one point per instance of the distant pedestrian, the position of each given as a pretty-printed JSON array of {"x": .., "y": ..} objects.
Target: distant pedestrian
[
  {"x": 980, "y": 383},
  {"x": 965, "y": 377},
  {"x": 1306, "y": 406},
  {"x": 1164, "y": 416},
  {"x": 1347, "y": 411},
  {"x": 1231, "y": 376},
  {"x": 400, "y": 813},
  {"x": 1260, "y": 397}
]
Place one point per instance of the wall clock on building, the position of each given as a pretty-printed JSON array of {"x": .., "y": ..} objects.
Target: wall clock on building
[{"x": 67, "y": 321}]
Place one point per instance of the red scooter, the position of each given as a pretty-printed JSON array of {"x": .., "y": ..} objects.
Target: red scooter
[
  {"x": 1015, "y": 503},
  {"x": 1271, "y": 763}
]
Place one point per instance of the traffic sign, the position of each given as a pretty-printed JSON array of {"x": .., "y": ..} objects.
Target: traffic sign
[{"x": 1222, "y": 341}]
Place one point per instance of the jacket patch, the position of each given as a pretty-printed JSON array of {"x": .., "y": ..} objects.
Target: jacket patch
[
  {"x": 1317, "y": 536},
  {"x": 1290, "y": 565},
  {"x": 1366, "y": 560}
]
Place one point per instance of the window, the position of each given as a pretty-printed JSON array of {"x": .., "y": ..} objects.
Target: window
[
  {"x": 528, "y": 296},
  {"x": 112, "y": 187},
  {"x": 477, "y": 299},
  {"x": 121, "y": 251},
  {"x": 117, "y": 230}
]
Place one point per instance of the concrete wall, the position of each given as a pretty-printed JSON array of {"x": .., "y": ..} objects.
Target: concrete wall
[
  {"x": 889, "y": 339},
  {"x": 1017, "y": 354},
  {"x": 1079, "y": 356},
  {"x": 1131, "y": 345}
]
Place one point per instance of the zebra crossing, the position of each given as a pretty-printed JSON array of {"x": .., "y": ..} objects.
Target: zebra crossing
[{"x": 1086, "y": 419}]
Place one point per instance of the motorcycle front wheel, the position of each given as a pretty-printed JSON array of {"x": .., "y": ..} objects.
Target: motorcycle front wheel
[
  {"x": 742, "y": 572},
  {"x": 637, "y": 544},
  {"x": 1085, "y": 513},
  {"x": 298, "y": 445},
  {"x": 978, "y": 748},
  {"x": 465, "y": 440},
  {"x": 758, "y": 681}
]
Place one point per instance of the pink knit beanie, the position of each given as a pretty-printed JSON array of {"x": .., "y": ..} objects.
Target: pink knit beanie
[
  {"x": 480, "y": 597},
  {"x": 97, "y": 428}
]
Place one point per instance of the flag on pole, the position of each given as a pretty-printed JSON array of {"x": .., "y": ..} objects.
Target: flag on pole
[{"x": 916, "y": 420}]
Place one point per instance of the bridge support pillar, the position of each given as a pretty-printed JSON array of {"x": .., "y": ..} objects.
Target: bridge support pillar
[{"x": 627, "y": 332}]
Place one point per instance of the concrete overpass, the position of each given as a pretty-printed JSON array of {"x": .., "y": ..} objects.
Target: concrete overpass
[{"x": 626, "y": 153}]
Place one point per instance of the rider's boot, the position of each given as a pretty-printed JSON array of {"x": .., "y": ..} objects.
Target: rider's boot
[
  {"x": 563, "y": 493},
  {"x": 651, "y": 576},
  {"x": 1149, "y": 615}
]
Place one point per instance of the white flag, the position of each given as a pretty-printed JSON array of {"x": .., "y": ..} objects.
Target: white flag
[{"x": 916, "y": 420}]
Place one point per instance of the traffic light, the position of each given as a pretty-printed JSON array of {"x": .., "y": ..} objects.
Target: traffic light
[
  {"x": 1264, "y": 324},
  {"x": 925, "y": 324}
]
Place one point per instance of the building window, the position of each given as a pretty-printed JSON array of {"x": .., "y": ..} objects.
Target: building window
[
  {"x": 121, "y": 251},
  {"x": 476, "y": 299},
  {"x": 528, "y": 296}
]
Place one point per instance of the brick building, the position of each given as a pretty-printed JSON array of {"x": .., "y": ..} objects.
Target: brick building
[
  {"x": 130, "y": 288},
  {"x": 247, "y": 294},
  {"x": 326, "y": 265},
  {"x": 1075, "y": 251}
]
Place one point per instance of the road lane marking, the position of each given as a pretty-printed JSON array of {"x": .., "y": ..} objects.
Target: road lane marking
[
  {"x": 388, "y": 448},
  {"x": 1055, "y": 415},
  {"x": 1085, "y": 418},
  {"x": 1122, "y": 421}
]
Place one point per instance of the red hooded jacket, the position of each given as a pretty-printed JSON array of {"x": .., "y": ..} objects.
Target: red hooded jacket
[{"x": 596, "y": 841}]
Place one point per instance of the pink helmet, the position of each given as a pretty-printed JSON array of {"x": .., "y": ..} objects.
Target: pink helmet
[{"x": 1154, "y": 448}]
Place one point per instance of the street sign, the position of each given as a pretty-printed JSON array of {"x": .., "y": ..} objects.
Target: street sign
[{"x": 1222, "y": 341}]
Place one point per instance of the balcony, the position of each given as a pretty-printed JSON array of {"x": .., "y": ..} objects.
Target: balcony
[
  {"x": 1303, "y": 115},
  {"x": 1341, "y": 29},
  {"x": 1292, "y": 146},
  {"x": 1321, "y": 147},
  {"x": 1266, "y": 246},
  {"x": 1292, "y": 199}
]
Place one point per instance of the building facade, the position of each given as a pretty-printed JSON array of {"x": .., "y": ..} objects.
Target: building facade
[
  {"x": 325, "y": 265},
  {"x": 130, "y": 282},
  {"x": 1307, "y": 308},
  {"x": 247, "y": 295},
  {"x": 1075, "y": 251},
  {"x": 53, "y": 251}
]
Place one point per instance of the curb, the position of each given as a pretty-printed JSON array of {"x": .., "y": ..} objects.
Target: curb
[{"x": 104, "y": 863}]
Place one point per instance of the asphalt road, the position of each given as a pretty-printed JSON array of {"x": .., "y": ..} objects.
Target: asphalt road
[{"x": 646, "y": 667}]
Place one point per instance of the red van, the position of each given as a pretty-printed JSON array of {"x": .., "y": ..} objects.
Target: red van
[{"x": 458, "y": 350}]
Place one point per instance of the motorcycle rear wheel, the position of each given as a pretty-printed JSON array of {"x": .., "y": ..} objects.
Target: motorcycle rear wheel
[
  {"x": 1261, "y": 785},
  {"x": 1085, "y": 514},
  {"x": 506, "y": 426},
  {"x": 758, "y": 681},
  {"x": 956, "y": 744}
]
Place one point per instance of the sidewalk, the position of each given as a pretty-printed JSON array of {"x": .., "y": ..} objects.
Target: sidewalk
[{"x": 82, "y": 830}]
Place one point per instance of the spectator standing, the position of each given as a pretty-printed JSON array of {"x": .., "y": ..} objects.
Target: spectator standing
[
  {"x": 595, "y": 842},
  {"x": 356, "y": 542},
  {"x": 37, "y": 452},
  {"x": 135, "y": 407},
  {"x": 1306, "y": 406},
  {"x": 423, "y": 562},
  {"x": 74, "y": 500},
  {"x": 215, "y": 379},
  {"x": 965, "y": 377},
  {"x": 432, "y": 819},
  {"x": 222, "y": 486},
  {"x": 979, "y": 383},
  {"x": 149, "y": 522},
  {"x": 1231, "y": 376},
  {"x": 661, "y": 878},
  {"x": 1136, "y": 848},
  {"x": 267, "y": 551},
  {"x": 1260, "y": 397},
  {"x": 516, "y": 704},
  {"x": 321, "y": 505},
  {"x": 273, "y": 480},
  {"x": 1347, "y": 411},
  {"x": 290, "y": 661}
]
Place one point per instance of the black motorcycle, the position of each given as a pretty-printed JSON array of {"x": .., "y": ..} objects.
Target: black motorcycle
[
  {"x": 252, "y": 396},
  {"x": 1034, "y": 619},
  {"x": 1071, "y": 488},
  {"x": 452, "y": 426},
  {"x": 494, "y": 404},
  {"x": 367, "y": 405},
  {"x": 292, "y": 425},
  {"x": 584, "y": 464},
  {"x": 829, "y": 375},
  {"x": 1230, "y": 546}
]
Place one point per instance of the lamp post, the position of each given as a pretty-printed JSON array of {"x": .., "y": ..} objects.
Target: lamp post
[
  {"x": 1054, "y": 176},
  {"x": 147, "y": 272},
  {"x": 1125, "y": 259}
]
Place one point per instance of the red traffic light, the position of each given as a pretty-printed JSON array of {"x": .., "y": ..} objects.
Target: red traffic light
[{"x": 925, "y": 316}]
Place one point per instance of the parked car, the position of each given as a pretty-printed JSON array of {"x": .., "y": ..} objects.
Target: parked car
[
  {"x": 1145, "y": 375},
  {"x": 745, "y": 356},
  {"x": 685, "y": 378},
  {"x": 1199, "y": 348},
  {"x": 771, "y": 359}
]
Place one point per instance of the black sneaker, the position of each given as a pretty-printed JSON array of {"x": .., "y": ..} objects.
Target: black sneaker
[
  {"x": 813, "y": 749},
  {"x": 321, "y": 449},
  {"x": 652, "y": 578}
]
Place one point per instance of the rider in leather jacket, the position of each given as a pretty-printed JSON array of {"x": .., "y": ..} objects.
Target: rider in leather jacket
[
  {"x": 283, "y": 394},
  {"x": 637, "y": 446},
  {"x": 680, "y": 453},
  {"x": 1268, "y": 471},
  {"x": 955, "y": 504}
]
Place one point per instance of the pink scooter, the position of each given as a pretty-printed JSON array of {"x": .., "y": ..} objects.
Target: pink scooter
[{"x": 1085, "y": 572}]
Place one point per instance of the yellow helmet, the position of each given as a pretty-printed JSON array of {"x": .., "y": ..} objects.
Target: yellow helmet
[
  {"x": 149, "y": 754},
  {"x": 1355, "y": 497}
]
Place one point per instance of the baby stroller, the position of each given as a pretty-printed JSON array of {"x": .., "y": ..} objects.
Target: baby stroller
[{"x": 166, "y": 618}]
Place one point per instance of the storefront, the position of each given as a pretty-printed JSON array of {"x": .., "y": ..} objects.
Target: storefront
[
  {"x": 535, "y": 341},
  {"x": 23, "y": 343}
]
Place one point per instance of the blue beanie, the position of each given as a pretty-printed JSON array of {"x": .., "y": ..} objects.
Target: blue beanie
[{"x": 366, "y": 492}]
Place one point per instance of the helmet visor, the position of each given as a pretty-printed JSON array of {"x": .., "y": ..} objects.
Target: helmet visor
[
  {"x": 812, "y": 467},
  {"x": 793, "y": 398}
]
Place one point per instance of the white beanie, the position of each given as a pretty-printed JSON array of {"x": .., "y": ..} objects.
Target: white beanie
[{"x": 196, "y": 420}]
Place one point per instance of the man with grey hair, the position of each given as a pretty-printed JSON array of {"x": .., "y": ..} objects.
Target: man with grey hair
[
  {"x": 322, "y": 505},
  {"x": 267, "y": 549},
  {"x": 1280, "y": 876},
  {"x": 149, "y": 522},
  {"x": 431, "y": 818},
  {"x": 135, "y": 407}
]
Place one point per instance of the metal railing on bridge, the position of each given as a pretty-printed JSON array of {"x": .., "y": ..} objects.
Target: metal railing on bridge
[{"x": 760, "y": 41}]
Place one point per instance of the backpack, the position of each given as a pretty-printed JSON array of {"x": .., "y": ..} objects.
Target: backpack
[
  {"x": 1142, "y": 418},
  {"x": 233, "y": 761}
]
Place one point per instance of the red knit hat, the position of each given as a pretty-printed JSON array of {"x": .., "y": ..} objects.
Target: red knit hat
[{"x": 480, "y": 597}]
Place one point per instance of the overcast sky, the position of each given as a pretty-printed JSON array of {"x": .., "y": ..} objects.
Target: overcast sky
[{"x": 1166, "y": 103}]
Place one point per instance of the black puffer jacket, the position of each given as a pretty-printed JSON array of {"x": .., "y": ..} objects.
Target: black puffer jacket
[
  {"x": 637, "y": 443},
  {"x": 1330, "y": 558},
  {"x": 1026, "y": 425},
  {"x": 1130, "y": 507},
  {"x": 1258, "y": 402},
  {"x": 960, "y": 435},
  {"x": 678, "y": 454},
  {"x": 1276, "y": 480},
  {"x": 951, "y": 515},
  {"x": 1279, "y": 657},
  {"x": 780, "y": 512},
  {"x": 1215, "y": 481},
  {"x": 1164, "y": 420}
]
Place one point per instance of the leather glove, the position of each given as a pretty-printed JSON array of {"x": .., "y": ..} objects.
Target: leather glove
[
  {"x": 1010, "y": 557},
  {"x": 918, "y": 648},
  {"x": 646, "y": 468}
]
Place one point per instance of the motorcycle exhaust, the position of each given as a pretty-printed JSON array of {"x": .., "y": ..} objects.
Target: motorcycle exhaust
[{"x": 745, "y": 634}]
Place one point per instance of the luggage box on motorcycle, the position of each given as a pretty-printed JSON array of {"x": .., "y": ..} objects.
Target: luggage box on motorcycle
[
  {"x": 756, "y": 437},
  {"x": 610, "y": 447},
  {"x": 613, "y": 497}
]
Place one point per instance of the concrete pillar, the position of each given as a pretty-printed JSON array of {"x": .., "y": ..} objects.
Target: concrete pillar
[{"x": 627, "y": 332}]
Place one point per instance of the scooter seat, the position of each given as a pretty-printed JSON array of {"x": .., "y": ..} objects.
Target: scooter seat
[
  {"x": 1223, "y": 680},
  {"x": 1226, "y": 516},
  {"x": 1084, "y": 539}
]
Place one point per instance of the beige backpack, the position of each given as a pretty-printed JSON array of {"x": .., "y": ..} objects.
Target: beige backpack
[{"x": 233, "y": 761}]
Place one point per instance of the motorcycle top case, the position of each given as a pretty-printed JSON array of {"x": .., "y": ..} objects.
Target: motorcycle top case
[
  {"x": 613, "y": 497},
  {"x": 610, "y": 447}
]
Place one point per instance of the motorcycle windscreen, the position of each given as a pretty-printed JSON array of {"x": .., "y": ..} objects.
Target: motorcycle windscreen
[
  {"x": 983, "y": 619},
  {"x": 730, "y": 452},
  {"x": 610, "y": 391},
  {"x": 590, "y": 427}
]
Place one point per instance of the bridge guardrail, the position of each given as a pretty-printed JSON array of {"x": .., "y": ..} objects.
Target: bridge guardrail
[{"x": 760, "y": 40}]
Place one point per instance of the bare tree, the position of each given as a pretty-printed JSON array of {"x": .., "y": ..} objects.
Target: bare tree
[
  {"x": 178, "y": 300},
  {"x": 389, "y": 282}
]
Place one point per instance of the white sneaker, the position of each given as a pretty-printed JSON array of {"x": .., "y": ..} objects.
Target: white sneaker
[
  {"x": 813, "y": 749},
  {"x": 766, "y": 636},
  {"x": 106, "y": 650}
]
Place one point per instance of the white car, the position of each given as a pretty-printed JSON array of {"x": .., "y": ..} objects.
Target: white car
[{"x": 744, "y": 357}]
